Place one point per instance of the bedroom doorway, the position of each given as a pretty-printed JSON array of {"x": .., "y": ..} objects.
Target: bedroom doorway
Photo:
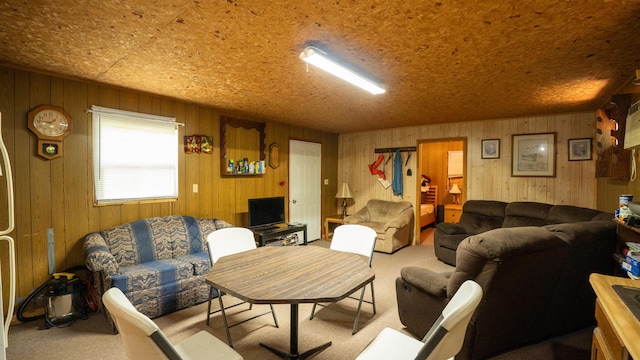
[{"x": 444, "y": 163}]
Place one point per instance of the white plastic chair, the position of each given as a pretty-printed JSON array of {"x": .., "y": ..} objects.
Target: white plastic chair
[
  {"x": 443, "y": 341},
  {"x": 225, "y": 242},
  {"x": 143, "y": 339},
  {"x": 357, "y": 239}
]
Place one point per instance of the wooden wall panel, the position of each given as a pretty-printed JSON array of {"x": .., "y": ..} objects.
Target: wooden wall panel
[
  {"x": 487, "y": 178},
  {"x": 58, "y": 193}
]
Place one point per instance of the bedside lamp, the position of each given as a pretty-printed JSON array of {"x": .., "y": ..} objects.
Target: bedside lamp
[
  {"x": 344, "y": 193},
  {"x": 455, "y": 191}
]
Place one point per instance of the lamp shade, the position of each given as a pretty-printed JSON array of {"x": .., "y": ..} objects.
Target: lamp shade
[
  {"x": 455, "y": 189},
  {"x": 344, "y": 192}
]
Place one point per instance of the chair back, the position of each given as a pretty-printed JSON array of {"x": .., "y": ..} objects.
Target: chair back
[
  {"x": 445, "y": 338},
  {"x": 229, "y": 241},
  {"x": 353, "y": 238},
  {"x": 141, "y": 337}
]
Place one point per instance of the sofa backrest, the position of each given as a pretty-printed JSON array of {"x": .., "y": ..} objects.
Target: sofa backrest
[
  {"x": 159, "y": 238},
  {"x": 482, "y": 215},
  {"x": 518, "y": 270},
  {"x": 591, "y": 244},
  {"x": 383, "y": 210},
  {"x": 560, "y": 214},
  {"x": 526, "y": 213}
]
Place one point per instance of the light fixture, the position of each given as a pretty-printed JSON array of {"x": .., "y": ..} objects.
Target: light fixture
[
  {"x": 455, "y": 190},
  {"x": 636, "y": 81},
  {"x": 344, "y": 193},
  {"x": 319, "y": 58}
]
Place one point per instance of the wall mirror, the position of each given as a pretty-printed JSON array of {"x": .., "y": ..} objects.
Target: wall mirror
[{"x": 239, "y": 140}]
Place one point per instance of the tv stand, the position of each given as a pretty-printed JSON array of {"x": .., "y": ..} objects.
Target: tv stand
[
  {"x": 266, "y": 227},
  {"x": 265, "y": 235}
]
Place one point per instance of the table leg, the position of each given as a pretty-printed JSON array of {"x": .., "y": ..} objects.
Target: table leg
[{"x": 293, "y": 341}]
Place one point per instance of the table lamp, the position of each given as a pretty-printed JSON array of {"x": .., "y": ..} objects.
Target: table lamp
[
  {"x": 344, "y": 193},
  {"x": 455, "y": 190}
]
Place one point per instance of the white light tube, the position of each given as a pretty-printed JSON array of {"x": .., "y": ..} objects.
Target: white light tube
[{"x": 317, "y": 57}]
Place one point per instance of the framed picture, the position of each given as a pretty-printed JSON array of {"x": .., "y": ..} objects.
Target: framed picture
[
  {"x": 206, "y": 144},
  {"x": 534, "y": 155},
  {"x": 192, "y": 144},
  {"x": 579, "y": 149},
  {"x": 491, "y": 149}
]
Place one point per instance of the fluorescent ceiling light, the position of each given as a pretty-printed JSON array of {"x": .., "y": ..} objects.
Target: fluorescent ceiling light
[{"x": 319, "y": 58}]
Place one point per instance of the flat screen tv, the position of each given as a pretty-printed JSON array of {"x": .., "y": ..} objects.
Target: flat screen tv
[{"x": 266, "y": 212}]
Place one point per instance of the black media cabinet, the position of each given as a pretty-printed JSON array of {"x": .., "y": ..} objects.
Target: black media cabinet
[{"x": 265, "y": 236}]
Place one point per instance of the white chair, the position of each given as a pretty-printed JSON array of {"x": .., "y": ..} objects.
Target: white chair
[
  {"x": 443, "y": 341},
  {"x": 225, "y": 242},
  {"x": 143, "y": 339},
  {"x": 357, "y": 239}
]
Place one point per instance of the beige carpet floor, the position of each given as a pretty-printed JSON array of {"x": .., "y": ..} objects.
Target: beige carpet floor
[{"x": 93, "y": 339}]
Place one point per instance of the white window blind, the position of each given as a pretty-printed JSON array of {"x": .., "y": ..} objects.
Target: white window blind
[
  {"x": 135, "y": 156},
  {"x": 455, "y": 164}
]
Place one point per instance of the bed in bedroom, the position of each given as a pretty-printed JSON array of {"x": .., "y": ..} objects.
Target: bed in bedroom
[{"x": 428, "y": 205}]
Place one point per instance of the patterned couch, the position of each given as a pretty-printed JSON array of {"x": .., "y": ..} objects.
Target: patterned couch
[{"x": 160, "y": 263}]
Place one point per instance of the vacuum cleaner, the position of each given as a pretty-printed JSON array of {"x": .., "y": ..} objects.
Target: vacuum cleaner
[{"x": 64, "y": 301}]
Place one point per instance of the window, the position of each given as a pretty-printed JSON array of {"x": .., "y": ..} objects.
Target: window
[{"x": 135, "y": 156}]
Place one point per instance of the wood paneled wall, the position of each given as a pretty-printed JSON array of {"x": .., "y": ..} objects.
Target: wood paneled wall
[
  {"x": 58, "y": 194},
  {"x": 574, "y": 183}
]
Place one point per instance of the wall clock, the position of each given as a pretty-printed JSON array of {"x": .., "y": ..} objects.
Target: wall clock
[{"x": 51, "y": 124}]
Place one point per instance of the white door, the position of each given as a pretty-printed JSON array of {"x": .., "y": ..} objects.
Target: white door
[{"x": 305, "y": 185}]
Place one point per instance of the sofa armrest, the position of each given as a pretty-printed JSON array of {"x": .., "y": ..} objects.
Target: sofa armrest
[
  {"x": 426, "y": 280},
  {"x": 401, "y": 220},
  {"x": 360, "y": 216},
  {"x": 97, "y": 255},
  {"x": 451, "y": 228}
]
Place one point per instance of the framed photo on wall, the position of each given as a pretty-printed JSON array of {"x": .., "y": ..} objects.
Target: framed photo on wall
[
  {"x": 491, "y": 149},
  {"x": 534, "y": 155},
  {"x": 579, "y": 149}
]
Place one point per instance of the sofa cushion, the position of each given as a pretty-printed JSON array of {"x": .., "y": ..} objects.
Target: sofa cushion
[
  {"x": 377, "y": 226},
  {"x": 482, "y": 215},
  {"x": 200, "y": 262},
  {"x": 526, "y": 213},
  {"x": 151, "y": 274},
  {"x": 169, "y": 297}
]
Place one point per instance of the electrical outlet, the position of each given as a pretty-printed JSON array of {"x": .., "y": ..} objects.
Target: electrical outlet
[
  {"x": 195, "y": 188},
  {"x": 326, "y": 181}
]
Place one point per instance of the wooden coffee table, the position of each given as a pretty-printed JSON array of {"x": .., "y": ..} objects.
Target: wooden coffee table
[{"x": 291, "y": 275}]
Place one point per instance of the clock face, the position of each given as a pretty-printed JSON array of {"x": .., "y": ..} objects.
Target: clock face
[{"x": 50, "y": 122}]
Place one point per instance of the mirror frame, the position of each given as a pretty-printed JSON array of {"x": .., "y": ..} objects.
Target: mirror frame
[{"x": 238, "y": 123}]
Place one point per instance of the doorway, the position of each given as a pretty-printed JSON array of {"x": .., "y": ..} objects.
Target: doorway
[
  {"x": 305, "y": 159},
  {"x": 438, "y": 159}
]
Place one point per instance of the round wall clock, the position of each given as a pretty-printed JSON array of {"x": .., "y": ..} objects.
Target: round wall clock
[{"x": 51, "y": 124}]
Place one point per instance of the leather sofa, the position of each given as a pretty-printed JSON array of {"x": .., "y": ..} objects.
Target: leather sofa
[
  {"x": 159, "y": 263},
  {"x": 479, "y": 216},
  {"x": 392, "y": 220},
  {"x": 534, "y": 280}
]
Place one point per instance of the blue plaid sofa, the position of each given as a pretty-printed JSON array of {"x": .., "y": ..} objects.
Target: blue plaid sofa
[{"x": 160, "y": 263}]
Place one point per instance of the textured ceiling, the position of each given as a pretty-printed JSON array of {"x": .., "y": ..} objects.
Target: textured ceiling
[{"x": 440, "y": 61}]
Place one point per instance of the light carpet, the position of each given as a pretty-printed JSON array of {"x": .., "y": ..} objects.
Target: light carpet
[{"x": 93, "y": 338}]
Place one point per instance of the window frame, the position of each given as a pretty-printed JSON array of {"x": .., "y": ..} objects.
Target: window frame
[{"x": 158, "y": 121}]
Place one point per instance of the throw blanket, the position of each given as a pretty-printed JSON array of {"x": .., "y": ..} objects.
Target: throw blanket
[{"x": 396, "y": 185}]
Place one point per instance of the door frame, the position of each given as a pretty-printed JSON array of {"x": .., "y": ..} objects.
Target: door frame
[
  {"x": 311, "y": 236},
  {"x": 441, "y": 188}
]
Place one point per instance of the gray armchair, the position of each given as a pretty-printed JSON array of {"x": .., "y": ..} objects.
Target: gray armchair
[{"x": 392, "y": 221}]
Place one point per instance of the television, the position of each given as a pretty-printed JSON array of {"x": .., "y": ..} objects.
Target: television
[{"x": 266, "y": 212}]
